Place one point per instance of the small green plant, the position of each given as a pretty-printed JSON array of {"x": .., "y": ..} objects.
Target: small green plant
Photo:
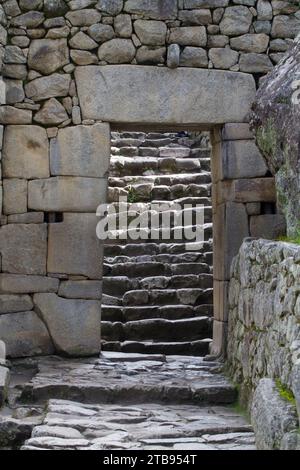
[
  {"x": 294, "y": 239},
  {"x": 132, "y": 195},
  {"x": 285, "y": 392}
]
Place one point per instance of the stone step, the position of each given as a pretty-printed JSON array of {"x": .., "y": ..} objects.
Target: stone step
[
  {"x": 149, "y": 269},
  {"x": 118, "y": 285},
  {"x": 135, "y": 249},
  {"x": 121, "y": 378},
  {"x": 188, "y": 329},
  {"x": 142, "y": 166},
  {"x": 122, "y": 314},
  {"x": 190, "y": 348},
  {"x": 148, "y": 192},
  {"x": 168, "y": 297},
  {"x": 149, "y": 181},
  {"x": 175, "y": 204},
  {"x": 204, "y": 257}
]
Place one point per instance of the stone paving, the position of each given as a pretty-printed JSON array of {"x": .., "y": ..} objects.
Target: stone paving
[{"x": 123, "y": 401}]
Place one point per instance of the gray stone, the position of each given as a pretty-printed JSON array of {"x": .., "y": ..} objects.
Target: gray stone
[
  {"x": 151, "y": 55},
  {"x": 193, "y": 57},
  {"x": 26, "y": 218},
  {"x": 48, "y": 55},
  {"x": 267, "y": 226},
  {"x": 255, "y": 63},
  {"x": 79, "y": 290},
  {"x": 123, "y": 26},
  {"x": 18, "y": 284},
  {"x": 55, "y": 8},
  {"x": 272, "y": 416},
  {"x": 236, "y": 20},
  {"x": 25, "y": 335},
  {"x": 3, "y": 35},
  {"x": 11, "y": 8},
  {"x": 173, "y": 56},
  {"x": 242, "y": 159},
  {"x": 112, "y": 7},
  {"x": 24, "y": 248},
  {"x": 12, "y": 115},
  {"x": 14, "y": 55},
  {"x": 188, "y": 36},
  {"x": 82, "y": 41},
  {"x": 285, "y": 27},
  {"x": 15, "y": 303},
  {"x": 250, "y": 43},
  {"x": 31, "y": 19},
  {"x": 195, "y": 17},
  {"x": 48, "y": 87},
  {"x": 262, "y": 27},
  {"x": 25, "y": 152},
  {"x": 151, "y": 33},
  {"x": 74, "y": 325},
  {"x": 83, "y": 57},
  {"x": 85, "y": 17},
  {"x": 57, "y": 33},
  {"x": 4, "y": 382},
  {"x": 218, "y": 40},
  {"x": 31, "y": 4},
  {"x": 229, "y": 94},
  {"x": 14, "y": 91},
  {"x": 237, "y": 131},
  {"x": 60, "y": 194},
  {"x": 14, "y": 196},
  {"x": 17, "y": 71},
  {"x": 67, "y": 150},
  {"x": 117, "y": 51},
  {"x": 264, "y": 10},
  {"x": 223, "y": 58},
  {"x": 52, "y": 113},
  {"x": 76, "y": 234},
  {"x": 153, "y": 9},
  {"x": 101, "y": 32},
  {"x": 190, "y": 4}
]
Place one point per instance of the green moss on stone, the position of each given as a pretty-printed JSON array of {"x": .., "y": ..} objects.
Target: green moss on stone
[
  {"x": 267, "y": 138},
  {"x": 285, "y": 392}
]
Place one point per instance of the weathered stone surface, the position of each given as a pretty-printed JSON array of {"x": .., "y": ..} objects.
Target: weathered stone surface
[
  {"x": 14, "y": 196},
  {"x": 272, "y": 416},
  {"x": 4, "y": 382},
  {"x": 85, "y": 17},
  {"x": 242, "y": 159},
  {"x": 14, "y": 55},
  {"x": 25, "y": 335},
  {"x": 61, "y": 194},
  {"x": 250, "y": 43},
  {"x": 32, "y": 19},
  {"x": 18, "y": 284},
  {"x": 173, "y": 56},
  {"x": 236, "y": 20},
  {"x": 151, "y": 55},
  {"x": 14, "y": 91},
  {"x": 54, "y": 8},
  {"x": 153, "y": 9},
  {"x": 264, "y": 10},
  {"x": 26, "y": 218},
  {"x": 151, "y": 33},
  {"x": 24, "y": 248},
  {"x": 117, "y": 51},
  {"x": 76, "y": 234},
  {"x": 188, "y": 36},
  {"x": 52, "y": 113},
  {"x": 112, "y": 7},
  {"x": 74, "y": 325},
  {"x": 11, "y": 115},
  {"x": 194, "y": 57},
  {"x": 268, "y": 226},
  {"x": 190, "y": 4},
  {"x": 274, "y": 121},
  {"x": 48, "y": 55},
  {"x": 15, "y": 303},
  {"x": 83, "y": 57},
  {"x": 82, "y": 41},
  {"x": 123, "y": 26},
  {"x": 80, "y": 290},
  {"x": 101, "y": 32},
  {"x": 48, "y": 87},
  {"x": 16, "y": 71},
  {"x": 25, "y": 152},
  {"x": 186, "y": 106},
  {"x": 255, "y": 63},
  {"x": 285, "y": 27},
  {"x": 81, "y": 151},
  {"x": 223, "y": 58},
  {"x": 237, "y": 131}
]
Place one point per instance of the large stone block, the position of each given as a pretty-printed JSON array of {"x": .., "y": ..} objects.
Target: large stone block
[
  {"x": 153, "y": 9},
  {"x": 51, "y": 86},
  {"x": 253, "y": 190},
  {"x": 67, "y": 194},
  {"x": 268, "y": 226},
  {"x": 188, "y": 36},
  {"x": 152, "y": 99},
  {"x": 219, "y": 344},
  {"x": 23, "y": 248},
  {"x": 242, "y": 159},
  {"x": 15, "y": 303},
  {"x": 73, "y": 247},
  {"x": 81, "y": 151},
  {"x": 80, "y": 290},
  {"x": 25, "y": 335},
  {"x": 25, "y": 152},
  {"x": 74, "y": 325},
  {"x": 14, "y": 196},
  {"x": 18, "y": 284},
  {"x": 48, "y": 55},
  {"x": 151, "y": 33}
]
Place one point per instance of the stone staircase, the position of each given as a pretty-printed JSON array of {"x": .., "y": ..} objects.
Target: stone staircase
[{"x": 157, "y": 292}]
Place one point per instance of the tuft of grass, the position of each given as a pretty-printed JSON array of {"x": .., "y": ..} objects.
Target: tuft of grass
[
  {"x": 295, "y": 239},
  {"x": 285, "y": 392}
]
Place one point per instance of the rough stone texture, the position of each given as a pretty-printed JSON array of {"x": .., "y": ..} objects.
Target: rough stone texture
[
  {"x": 25, "y": 152},
  {"x": 18, "y": 284},
  {"x": 153, "y": 9},
  {"x": 81, "y": 290},
  {"x": 275, "y": 117},
  {"x": 189, "y": 36},
  {"x": 23, "y": 248},
  {"x": 242, "y": 159},
  {"x": 81, "y": 151},
  {"x": 14, "y": 196},
  {"x": 117, "y": 51},
  {"x": 74, "y": 325},
  {"x": 272, "y": 416},
  {"x": 76, "y": 234},
  {"x": 4, "y": 381},
  {"x": 48, "y": 87},
  {"x": 151, "y": 33},
  {"x": 48, "y": 55},
  {"x": 25, "y": 335},
  {"x": 15, "y": 303},
  {"x": 194, "y": 57},
  {"x": 52, "y": 113},
  {"x": 236, "y": 20},
  {"x": 186, "y": 106}
]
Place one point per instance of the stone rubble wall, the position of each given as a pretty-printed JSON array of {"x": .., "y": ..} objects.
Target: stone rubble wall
[
  {"x": 264, "y": 336},
  {"x": 55, "y": 159}
]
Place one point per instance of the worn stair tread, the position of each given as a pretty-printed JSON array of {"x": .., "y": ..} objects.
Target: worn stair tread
[
  {"x": 195, "y": 348},
  {"x": 169, "y": 312}
]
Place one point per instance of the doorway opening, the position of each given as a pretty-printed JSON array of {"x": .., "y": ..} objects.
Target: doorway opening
[{"x": 158, "y": 290}]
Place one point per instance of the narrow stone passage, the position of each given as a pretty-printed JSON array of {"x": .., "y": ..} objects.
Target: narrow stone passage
[{"x": 158, "y": 292}]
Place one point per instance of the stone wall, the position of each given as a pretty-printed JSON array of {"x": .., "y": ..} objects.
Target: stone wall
[
  {"x": 55, "y": 148},
  {"x": 264, "y": 336}
]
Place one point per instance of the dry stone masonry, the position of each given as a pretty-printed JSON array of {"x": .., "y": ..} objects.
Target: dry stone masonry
[{"x": 71, "y": 71}]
